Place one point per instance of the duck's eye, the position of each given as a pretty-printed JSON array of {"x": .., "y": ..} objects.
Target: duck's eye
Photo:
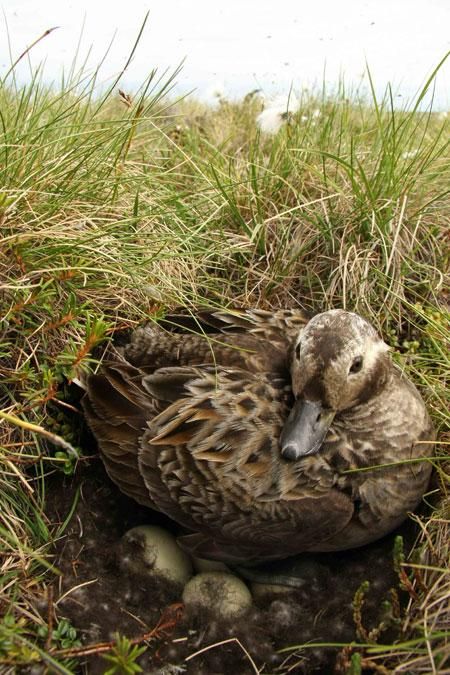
[
  {"x": 356, "y": 365},
  {"x": 297, "y": 351}
]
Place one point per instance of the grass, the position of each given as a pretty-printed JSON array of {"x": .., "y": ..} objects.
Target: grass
[{"x": 120, "y": 206}]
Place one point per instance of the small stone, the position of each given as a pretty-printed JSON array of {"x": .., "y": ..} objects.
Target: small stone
[
  {"x": 219, "y": 591},
  {"x": 160, "y": 554}
]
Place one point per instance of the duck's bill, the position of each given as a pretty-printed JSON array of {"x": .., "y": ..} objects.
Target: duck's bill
[{"x": 305, "y": 429}]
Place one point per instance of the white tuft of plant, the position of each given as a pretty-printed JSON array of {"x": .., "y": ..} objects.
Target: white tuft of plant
[
  {"x": 277, "y": 113},
  {"x": 215, "y": 94}
]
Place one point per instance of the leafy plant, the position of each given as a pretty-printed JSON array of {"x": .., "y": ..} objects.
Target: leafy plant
[
  {"x": 63, "y": 636},
  {"x": 122, "y": 658}
]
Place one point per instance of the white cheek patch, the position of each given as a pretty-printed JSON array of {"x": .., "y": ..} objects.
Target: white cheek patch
[{"x": 372, "y": 353}]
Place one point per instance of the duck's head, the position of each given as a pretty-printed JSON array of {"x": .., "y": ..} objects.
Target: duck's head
[{"x": 338, "y": 362}]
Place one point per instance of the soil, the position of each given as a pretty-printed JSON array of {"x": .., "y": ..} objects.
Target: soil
[{"x": 101, "y": 596}]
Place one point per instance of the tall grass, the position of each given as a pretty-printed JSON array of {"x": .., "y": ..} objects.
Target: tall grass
[{"x": 119, "y": 206}]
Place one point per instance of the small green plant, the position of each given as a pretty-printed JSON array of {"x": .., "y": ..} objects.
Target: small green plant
[
  {"x": 64, "y": 636},
  {"x": 123, "y": 657},
  {"x": 355, "y": 667},
  {"x": 66, "y": 462},
  {"x": 11, "y": 646},
  {"x": 20, "y": 645}
]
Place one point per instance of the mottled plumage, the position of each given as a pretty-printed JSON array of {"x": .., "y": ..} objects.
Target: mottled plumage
[{"x": 188, "y": 417}]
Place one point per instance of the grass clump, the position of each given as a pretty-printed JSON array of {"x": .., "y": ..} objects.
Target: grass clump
[{"x": 118, "y": 207}]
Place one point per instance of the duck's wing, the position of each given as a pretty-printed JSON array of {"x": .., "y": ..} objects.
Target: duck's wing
[
  {"x": 117, "y": 408},
  {"x": 211, "y": 461},
  {"x": 116, "y": 405},
  {"x": 252, "y": 339}
]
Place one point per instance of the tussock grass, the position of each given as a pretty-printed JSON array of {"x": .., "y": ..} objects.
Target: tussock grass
[{"x": 118, "y": 207}]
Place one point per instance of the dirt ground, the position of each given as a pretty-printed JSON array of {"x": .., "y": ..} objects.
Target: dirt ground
[{"x": 102, "y": 596}]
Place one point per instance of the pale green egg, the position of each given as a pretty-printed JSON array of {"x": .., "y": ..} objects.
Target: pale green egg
[
  {"x": 221, "y": 592},
  {"x": 160, "y": 553}
]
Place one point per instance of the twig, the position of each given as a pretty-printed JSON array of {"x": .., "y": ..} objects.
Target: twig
[
  {"x": 375, "y": 667},
  {"x": 167, "y": 622}
]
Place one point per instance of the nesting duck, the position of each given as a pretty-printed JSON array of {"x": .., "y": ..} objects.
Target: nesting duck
[{"x": 263, "y": 434}]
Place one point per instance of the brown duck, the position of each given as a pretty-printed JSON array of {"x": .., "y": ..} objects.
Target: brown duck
[{"x": 263, "y": 434}]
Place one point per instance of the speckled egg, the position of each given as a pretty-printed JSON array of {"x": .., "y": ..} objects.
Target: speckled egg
[
  {"x": 158, "y": 552},
  {"x": 221, "y": 592}
]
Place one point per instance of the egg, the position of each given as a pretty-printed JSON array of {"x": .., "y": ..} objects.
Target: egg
[
  {"x": 158, "y": 552},
  {"x": 221, "y": 592}
]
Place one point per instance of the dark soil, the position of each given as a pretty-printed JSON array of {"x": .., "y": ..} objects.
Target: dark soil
[{"x": 103, "y": 597}]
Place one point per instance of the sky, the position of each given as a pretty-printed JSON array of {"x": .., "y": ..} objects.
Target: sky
[{"x": 240, "y": 45}]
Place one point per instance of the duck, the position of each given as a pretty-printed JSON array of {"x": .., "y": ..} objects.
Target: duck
[{"x": 262, "y": 434}]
